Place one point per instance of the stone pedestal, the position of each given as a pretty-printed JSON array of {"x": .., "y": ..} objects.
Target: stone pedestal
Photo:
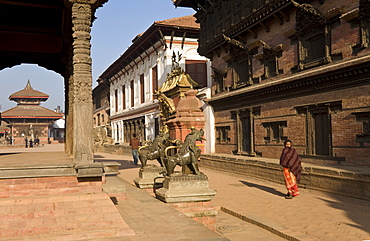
[
  {"x": 149, "y": 176},
  {"x": 185, "y": 188}
]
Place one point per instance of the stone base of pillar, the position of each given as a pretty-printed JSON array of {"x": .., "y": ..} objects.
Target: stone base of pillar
[
  {"x": 150, "y": 177},
  {"x": 89, "y": 170},
  {"x": 185, "y": 188}
]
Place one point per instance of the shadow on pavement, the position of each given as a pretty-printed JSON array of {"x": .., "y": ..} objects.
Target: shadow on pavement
[
  {"x": 98, "y": 156},
  {"x": 125, "y": 164},
  {"x": 5, "y": 154},
  {"x": 264, "y": 188},
  {"x": 357, "y": 210}
]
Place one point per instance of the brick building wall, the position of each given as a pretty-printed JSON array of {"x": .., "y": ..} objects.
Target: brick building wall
[{"x": 292, "y": 100}]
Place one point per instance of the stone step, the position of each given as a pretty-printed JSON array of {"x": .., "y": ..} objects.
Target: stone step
[
  {"x": 46, "y": 209},
  {"x": 40, "y": 186},
  {"x": 106, "y": 234}
]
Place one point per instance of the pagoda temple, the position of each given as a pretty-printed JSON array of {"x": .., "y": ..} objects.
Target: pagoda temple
[{"x": 28, "y": 119}]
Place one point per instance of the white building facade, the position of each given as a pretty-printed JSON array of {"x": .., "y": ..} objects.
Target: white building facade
[{"x": 144, "y": 66}]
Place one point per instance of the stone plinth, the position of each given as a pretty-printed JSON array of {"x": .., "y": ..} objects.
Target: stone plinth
[
  {"x": 185, "y": 188},
  {"x": 149, "y": 176},
  {"x": 111, "y": 168}
]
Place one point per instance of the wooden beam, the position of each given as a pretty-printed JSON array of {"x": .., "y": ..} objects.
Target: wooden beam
[
  {"x": 172, "y": 34},
  {"x": 162, "y": 39},
  {"x": 183, "y": 40},
  {"x": 155, "y": 49}
]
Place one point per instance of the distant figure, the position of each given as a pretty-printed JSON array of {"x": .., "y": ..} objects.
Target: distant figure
[
  {"x": 292, "y": 169},
  {"x": 135, "y": 143},
  {"x": 31, "y": 143},
  {"x": 26, "y": 142}
]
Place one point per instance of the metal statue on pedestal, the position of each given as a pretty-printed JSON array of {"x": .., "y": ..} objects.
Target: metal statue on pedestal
[
  {"x": 152, "y": 149},
  {"x": 187, "y": 155}
]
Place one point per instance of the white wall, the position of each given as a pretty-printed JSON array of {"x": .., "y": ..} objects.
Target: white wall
[{"x": 163, "y": 61}]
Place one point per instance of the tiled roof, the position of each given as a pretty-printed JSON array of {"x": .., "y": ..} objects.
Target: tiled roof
[
  {"x": 28, "y": 92},
  {"x": 185, "y": 21},
  {"x": 30, "y": 111}
]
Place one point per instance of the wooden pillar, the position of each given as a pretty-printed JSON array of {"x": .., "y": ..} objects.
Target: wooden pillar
[
  {"x": 68, "y": 91},
  {"x": 80, "y": 86}
]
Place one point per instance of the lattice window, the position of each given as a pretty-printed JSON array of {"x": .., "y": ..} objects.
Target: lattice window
[
  {"x": 364, "y": 23},
  {"x": 313, "y": 36},
  {"x": 222, "y": 134},
  {"x": 363, "y": 117},
  {"x": 315, "y": 46},
  {"x": 275, "y": 131}
]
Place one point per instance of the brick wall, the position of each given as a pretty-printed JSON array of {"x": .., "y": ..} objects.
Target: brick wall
[{"x": 344, "y": 126}]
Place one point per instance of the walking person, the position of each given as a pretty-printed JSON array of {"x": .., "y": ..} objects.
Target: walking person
[
  {"x": 135, "y": 143},
  {"x": 292, "y": 169}
]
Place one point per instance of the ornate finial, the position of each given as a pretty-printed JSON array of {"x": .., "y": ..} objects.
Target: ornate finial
[
  {"x": 28, "y": 86},
  {"x": 176, "y": 61}
]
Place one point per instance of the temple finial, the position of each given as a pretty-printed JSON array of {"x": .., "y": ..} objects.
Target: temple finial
[{"x": 28, "y": 86}]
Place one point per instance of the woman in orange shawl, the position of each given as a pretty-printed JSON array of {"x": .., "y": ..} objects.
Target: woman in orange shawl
[{"x": 292, "y": 169}]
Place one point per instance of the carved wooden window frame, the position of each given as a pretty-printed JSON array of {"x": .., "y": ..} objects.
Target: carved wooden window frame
[
  {"x": 269, "y": 59},
  {"x": 218, "y": 77},
  {"x": 306, "y": 59},
  {"x": 275, "y": 131},
  {"x": 222, "y": 134},
  {"x": 361, "y": 17},
  {"x": 311, "y": 27},
  {"x": 363, "y": 117},
  {"x": 241, "y": 69}
]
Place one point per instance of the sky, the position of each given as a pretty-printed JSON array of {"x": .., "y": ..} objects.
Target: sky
[{"x": 117, "y": 23}]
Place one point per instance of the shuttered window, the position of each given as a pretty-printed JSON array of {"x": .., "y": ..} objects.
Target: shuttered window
[
  {"x": 316, "y": 49},
  {"x": 115, "y": 101},
  {"x": 154, "y": 80},
  {"x": 123, "y": 98},
  {"x": 197, "y": 69},
  {"x": 142, "y": 89},
  {"x": 132, "y": 94}
]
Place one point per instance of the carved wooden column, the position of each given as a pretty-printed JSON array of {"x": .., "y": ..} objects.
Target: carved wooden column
[{"x": 81, "y": 83}]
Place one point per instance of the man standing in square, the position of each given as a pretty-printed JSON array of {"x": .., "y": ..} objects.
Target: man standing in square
[{"x": 135, "y": 143}]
